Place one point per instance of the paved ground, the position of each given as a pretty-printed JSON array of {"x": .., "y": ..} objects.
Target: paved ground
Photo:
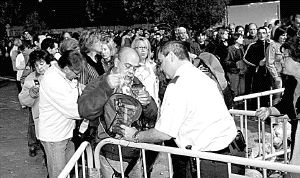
[{"x": 15, "y": 161}]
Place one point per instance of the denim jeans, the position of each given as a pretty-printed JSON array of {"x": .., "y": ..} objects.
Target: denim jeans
[
  {"x": 58, "y": 154},
  {"x": 107, "y": 171}
]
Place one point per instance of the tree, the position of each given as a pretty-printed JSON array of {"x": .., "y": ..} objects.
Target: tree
[
  {"x": 10, "y": 11},
  {"x": 34, "y": 23},
  {"x": 192, "y": 13}
]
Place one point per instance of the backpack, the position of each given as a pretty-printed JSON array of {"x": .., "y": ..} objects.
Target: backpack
[
  {"x": 211, "y": 66},
  {"x": 119, "y": 109}
]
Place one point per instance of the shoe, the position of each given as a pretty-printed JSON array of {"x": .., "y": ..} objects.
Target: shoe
[{"x": 32, "y": 151}]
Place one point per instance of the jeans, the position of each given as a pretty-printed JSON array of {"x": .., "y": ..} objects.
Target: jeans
[
  {"x": 58, "y": 154},
  {"x": 31, "y": 136},
  {"x": 237, "y": 82},
  {"x": 107, "y": 171}
]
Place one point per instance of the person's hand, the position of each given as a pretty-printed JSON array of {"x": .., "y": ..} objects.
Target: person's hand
[
  {"x": 278, "y": 81},
  {"x": 143, "y": 97},
  {"x": 262, "y": 62},
  {"x": 34, "y": 91},
  {"x": 128, "y": 132},
  {"x": 114, "y": 80},
  {"x": 263, "y": 113}
]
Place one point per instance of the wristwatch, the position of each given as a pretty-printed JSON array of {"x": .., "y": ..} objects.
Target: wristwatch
[{"x": 134, "y": 136}]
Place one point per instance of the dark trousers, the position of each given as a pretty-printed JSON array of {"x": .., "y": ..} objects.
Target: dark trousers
[
  {"x": 183, "y": 167},
  {"x": 31, "y": 136}
]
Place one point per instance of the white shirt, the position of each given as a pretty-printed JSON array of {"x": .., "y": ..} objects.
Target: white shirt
[
  {"x": 20, "y": 65},
  {"x": 58, "y": 106},
  {"x": 146, "y": 75},
  {"x": 194, "y": 113}
]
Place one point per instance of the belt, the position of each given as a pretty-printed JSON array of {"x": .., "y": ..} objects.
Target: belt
[{"x": 223, "y": 151}]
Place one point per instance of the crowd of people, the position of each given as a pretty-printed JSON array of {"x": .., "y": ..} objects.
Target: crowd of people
[{"x": 158, "y": 85}]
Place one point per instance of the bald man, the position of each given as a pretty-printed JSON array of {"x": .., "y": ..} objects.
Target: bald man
[{"x": 92, "y": 102}]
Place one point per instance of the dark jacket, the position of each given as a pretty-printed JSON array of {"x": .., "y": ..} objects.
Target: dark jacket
[
  {"x": 234, "y": 55},
  {"x": 96, "y": 93},
  {"x": 91, "y": 106},
  {"x": 256, "y": 52},
  {"x": 286, "y": 105}
]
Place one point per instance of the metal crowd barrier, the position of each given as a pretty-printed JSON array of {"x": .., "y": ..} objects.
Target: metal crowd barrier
[
  {"x": 198, "y": 155},
  {"x": 243, "y": 114},
  {"x": 261, "y": 124},
  {"x": 84, "y": 151}
]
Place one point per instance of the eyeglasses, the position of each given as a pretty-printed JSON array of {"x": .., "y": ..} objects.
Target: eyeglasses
[
  {"x": 141, "y": 47},
  {"x": 128, "y": 66}
]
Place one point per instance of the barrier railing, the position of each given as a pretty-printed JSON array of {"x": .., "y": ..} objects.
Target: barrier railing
[
  {"x": 242, "y": 114},
  {"x": 84, "y": 150},
  {"x": 198, "y": 155}
]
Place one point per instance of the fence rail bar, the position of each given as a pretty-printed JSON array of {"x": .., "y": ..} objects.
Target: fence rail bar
[
  {"x": 255, "y": 95},
  {"x": 85, "y": 146},
  {"x": 203, "y": 155},
  {"x": 242, "y": 112}
]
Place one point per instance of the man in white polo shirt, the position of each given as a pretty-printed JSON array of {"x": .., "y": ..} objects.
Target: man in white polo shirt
[{"x": 193, "y": 114}]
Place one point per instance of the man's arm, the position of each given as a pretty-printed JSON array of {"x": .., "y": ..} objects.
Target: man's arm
[
  {"x": 148, "y": 136},
  {"x": 93, "y": 98}
]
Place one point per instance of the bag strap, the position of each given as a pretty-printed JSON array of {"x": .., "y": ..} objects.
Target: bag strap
[{"x": 210, "y": 71}]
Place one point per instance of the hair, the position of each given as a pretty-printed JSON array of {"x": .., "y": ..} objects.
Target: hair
[
  {"x": 47, "y": 43},
  {"x": 75, "y": 35},
  {"x": 87, "y": 39},
  {"x": 252, "y": 24},
  {"x": 25, "y": 44},
  {"x": 108, "y": 40},
  {"x": 17, "y": 42},
  {"x": 276, "y": 22},
  {"x": 38, "y": 55},
  {"x": 69, "y": 44},
  {"x": 177, "y": 47},
  {"x": 72, "y": 59},
  {"x": 278, "y": 32},
  {"x": 238, "y": 27},
  {"x": 143, "y": 39},
  {"x": 293, "y": 45},
  {"x": 199, "y": 32},
  {"x": 294, "y": 16},
  {"x": 264, "y": 28},
  {"x": 236, "y": 36}
]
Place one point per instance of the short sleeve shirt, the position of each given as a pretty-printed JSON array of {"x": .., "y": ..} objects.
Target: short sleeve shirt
[{"x": 194, "y": 113}]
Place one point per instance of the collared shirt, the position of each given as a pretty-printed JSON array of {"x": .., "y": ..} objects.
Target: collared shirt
[
  {"x": 58, "y": 106},
  {"x": 194, "y": 113}
]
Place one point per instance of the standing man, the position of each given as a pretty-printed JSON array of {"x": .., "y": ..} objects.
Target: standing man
[
  {"x": 257, "y": 77},
  {"x": 58, "y": 110},
  {"x": 93, "y": 106},
  {"x": 251, "y": 37},
  {"x": 193, "y": 114}
]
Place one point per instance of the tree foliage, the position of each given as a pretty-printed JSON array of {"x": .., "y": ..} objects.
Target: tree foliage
[
  {"x": 33, "y": 22},
  {"x": 192, "y": 13},
  {"x": 10, "y": 11}
]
